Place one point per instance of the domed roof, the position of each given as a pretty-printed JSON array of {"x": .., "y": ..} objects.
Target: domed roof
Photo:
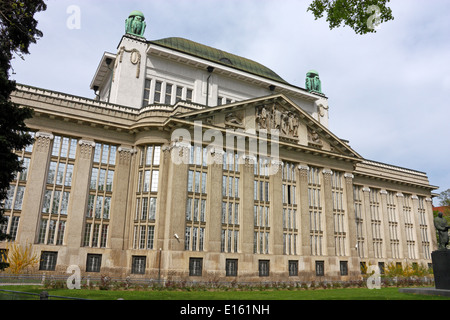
[{"x": 218, "y": 56}]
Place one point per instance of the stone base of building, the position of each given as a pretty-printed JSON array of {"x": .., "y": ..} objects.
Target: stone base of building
[{"x": 441, "y": 268}]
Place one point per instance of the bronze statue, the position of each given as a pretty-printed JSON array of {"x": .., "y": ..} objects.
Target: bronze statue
[{"x": 442, "y": 229}]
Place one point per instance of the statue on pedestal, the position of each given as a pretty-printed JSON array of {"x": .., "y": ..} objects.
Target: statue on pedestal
[{"x": 442, "y": 229}]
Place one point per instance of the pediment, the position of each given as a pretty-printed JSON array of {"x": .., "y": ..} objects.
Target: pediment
[{"x": 293, "y": 125}]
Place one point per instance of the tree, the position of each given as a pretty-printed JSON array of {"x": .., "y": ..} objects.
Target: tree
[
  {"x": 20, "y": 257},
  {"x": 444, "y": 198},
  {"x": 362, "y": 16},
  {"x": 17, "y": 31}
]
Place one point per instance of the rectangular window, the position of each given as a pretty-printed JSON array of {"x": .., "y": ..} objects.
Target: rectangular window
[
  {"x": 293, "y": 268},
  {"x": 343, "y": 266},
  {"x": 320, "y": 268},
  {"x": 264, "y": 268},
  {"x": 93, "y": 262},
  {"x": 231, "y": 267},
  {"x": 48, "y": 260},
  {"x": 138, "y": 264},
  {"x": 168, "y": 97},
  {"x": 195, "y": 267},
  {"x": 157, "y": 95}
]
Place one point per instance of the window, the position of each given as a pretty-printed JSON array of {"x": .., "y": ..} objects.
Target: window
[
  {"x": 231, "y": 267},
  {"x": 409, "y": 227},
  {"x": 100, "y": 195},
  {"x": 293, "y": 268},
  {"x": 168, "y": 97},
  {"x": 146, "y": 211},
  {"x": 138, "y": 264},
  {"x": 424, "y": 227},
  {"x": 57, "y": 192},
  {"x": 359, "y": 217},
  {"x": 195, "y": 267},
  {"x": 320, "y": 268},
  {"x": 289, "y": 196},
  {"x": 264, "y": 268},
  {"x": 337, "y": 193},
  {"x": 48, "y": 260},
  {"x": 343, "y": 267},
  {"x": 157, "y": 95},
  {"x": 230, "y": 203},
  {"x": 261, "y": 208},
  {"x": 196, "y": 202},
  {"x": 315, "y": 211},
  {"x": 146, "y": 98},
  {"x": 375, "y": 216},
  {"x": 393, "y": 223},
  {"x": 93, "y": 262}
]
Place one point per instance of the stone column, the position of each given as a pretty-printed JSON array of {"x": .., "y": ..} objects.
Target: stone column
[
  {"x": 247, "y": 228},
  {"x": 415, "y": 216},
  {"x": 175, "y": 222},
  {"x": 368, "y": 239},
  {"x": 37, "y": 174},
  {"x": 214, "y": 183},
  {"x": 276, "y": 209},
  {"x": 430, "y": 223},
  {"x": 385, "y": 234},
  {"x": 328, "y": 213},
  {"x": 351, "y": 235},
  {"x": 121, "y": 202},
  {"x": 77, "y": 205}
]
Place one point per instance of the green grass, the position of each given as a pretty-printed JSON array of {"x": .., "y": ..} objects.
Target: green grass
[{"x": 167, "y": 295}]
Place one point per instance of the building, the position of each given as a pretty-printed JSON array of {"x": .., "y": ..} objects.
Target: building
[{"x": 194, "y": 163}]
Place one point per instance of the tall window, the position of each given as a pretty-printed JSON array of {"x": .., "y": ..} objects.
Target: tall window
[
  {"x": 100, "y": 194},
  {"x": 15, "y": 193},
  {"x": 315, "y": 211},
  {"x": 409, "y": 227},
  {"x": 146, "y": 197},
  {"x": 230, "y": 203},
  {"x": 375, "y": 216},
  {"x": 289, "y": 198},
  {"x": 261, "y": 206},
  {"x": 424, "y": 228},
  {"x": 393, "y": 224},
  {"x": 57, "y": 191},
  {"x": 359, "y": 217},
  {"x": 337, "y": 193},
  {"x": 196, "y": 199}
]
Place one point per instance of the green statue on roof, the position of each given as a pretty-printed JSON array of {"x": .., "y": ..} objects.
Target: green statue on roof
[
  {"x": 135, "y": 24},
  {"x": 312, "y": 82}
]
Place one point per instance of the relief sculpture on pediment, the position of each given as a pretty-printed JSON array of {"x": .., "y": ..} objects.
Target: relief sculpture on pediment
[{"x": 277, "y": 118}]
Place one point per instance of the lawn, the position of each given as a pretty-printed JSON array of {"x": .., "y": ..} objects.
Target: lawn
[{"x": 391, "y": 293}]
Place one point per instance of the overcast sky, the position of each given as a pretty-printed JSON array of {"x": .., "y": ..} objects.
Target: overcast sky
[{"x": 389, "y": 92}]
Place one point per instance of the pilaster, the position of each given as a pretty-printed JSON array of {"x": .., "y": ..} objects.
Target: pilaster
[
  {"x": 368, "y": 224},
  {"x": 328, "y": 212},
  {"x": 78, "y": 199},
  {"x": 385, "y": 234},
  {"x": 31, "y": 210}
]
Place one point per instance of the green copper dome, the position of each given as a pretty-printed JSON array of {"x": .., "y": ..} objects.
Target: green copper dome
[{"x": 218, "y": 56}]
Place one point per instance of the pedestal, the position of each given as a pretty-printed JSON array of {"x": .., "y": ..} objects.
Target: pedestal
[{"x": 441, "y": 268}]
